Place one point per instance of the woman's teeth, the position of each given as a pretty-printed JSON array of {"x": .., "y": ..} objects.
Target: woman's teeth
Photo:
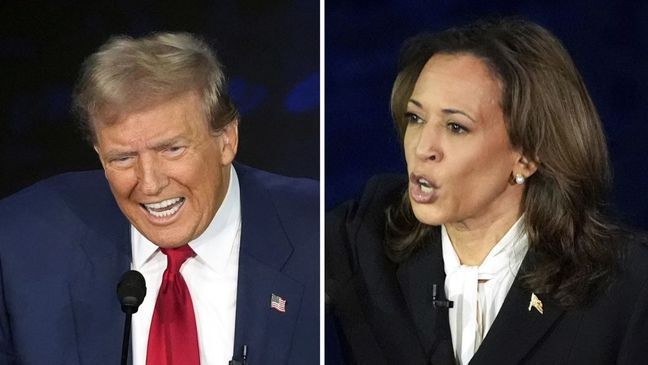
[{"x": 425, "y": 186}]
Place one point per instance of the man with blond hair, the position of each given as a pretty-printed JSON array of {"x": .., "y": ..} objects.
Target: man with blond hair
[{"x": 229, "y": 253}]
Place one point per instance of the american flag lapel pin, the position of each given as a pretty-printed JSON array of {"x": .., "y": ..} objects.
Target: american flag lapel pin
[
  {"x": 535, "y": 303},
  {"x": 278, "y": 303}
]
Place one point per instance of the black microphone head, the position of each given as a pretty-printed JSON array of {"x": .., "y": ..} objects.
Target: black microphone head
[{"x": 131, "y": 291}]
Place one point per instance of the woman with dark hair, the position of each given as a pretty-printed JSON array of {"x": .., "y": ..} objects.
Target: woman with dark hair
[{"x": 496, "y": 248}]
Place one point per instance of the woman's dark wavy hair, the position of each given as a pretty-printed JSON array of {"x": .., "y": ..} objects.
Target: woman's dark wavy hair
[{"x": 550, "y": 117}]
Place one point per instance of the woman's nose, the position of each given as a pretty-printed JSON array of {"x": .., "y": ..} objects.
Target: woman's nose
[{"x": 428, "y": 146}]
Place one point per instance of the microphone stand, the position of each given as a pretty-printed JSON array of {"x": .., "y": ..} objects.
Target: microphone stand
[
  {"x": 131, "y": 291},
  {"x": 126, "y": 341}
]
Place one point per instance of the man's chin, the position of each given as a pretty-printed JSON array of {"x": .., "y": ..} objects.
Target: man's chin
[
  {"x": 165, "y": 238},
  {"x": 168, "y": 243}
]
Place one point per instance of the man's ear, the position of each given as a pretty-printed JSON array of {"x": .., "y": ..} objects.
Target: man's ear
[
  {"x": 96, "y": 148},
  {"x": 229, "y": 142}
]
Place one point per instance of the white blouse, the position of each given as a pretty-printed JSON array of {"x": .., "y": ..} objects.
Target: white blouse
[{"x": 478, "y": 292}]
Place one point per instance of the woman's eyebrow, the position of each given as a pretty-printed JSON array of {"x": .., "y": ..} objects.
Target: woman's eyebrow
[
  {"x": 445, "y": 110},
  {"x": 415, "y": 102},
  {"x": 457, "y": 111}
]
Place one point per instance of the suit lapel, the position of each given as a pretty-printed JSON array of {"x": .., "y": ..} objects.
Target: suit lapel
[
  {"x": 517, "y": 329},
  {"x": 265, "y": 249},
  {"x": 416, "y": 277},
  {"x": 103, "y": 254},
  {"x": 266, "y": 332}
]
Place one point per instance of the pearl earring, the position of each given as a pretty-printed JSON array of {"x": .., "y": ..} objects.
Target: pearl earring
[{"x": 519, "y": 179}]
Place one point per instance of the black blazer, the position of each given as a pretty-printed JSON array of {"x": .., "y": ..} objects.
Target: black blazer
[{"x": 385, "y": 313}]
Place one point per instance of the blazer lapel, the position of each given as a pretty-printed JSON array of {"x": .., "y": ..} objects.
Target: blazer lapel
[
  {"x": 514, "y": 332},
  {"x": 266, "y": 331},
  {"x": 517, "y": 328},
  {"x": 416, "y": 277}
]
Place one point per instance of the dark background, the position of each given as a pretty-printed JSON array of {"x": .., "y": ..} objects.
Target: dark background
[
  {"x": 270, "y": 50},
  {"x": 608, "y": 41}
]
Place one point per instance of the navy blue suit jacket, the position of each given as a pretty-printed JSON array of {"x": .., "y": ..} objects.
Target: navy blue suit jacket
[{"x": 64, "y": 244}]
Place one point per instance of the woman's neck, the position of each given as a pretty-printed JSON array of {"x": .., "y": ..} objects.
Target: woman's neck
[{"x": 473, "y": 240}]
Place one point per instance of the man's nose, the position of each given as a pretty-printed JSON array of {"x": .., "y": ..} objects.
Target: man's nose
[{"x": 151, "y": 176}]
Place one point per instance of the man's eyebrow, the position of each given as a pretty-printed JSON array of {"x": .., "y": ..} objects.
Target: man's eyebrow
[
  {"x": 160, "y": 145},
  {"x": 114, "y": 154}
]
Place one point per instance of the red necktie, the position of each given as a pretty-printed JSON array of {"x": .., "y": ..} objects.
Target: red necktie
[{"x": 173, "y": 338}]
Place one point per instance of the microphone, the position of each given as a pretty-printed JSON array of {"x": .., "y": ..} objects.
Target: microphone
[
  {"x": 243, "y": 360},
  {"x": 131, "y": 291},
  {"x": 438, "y": 303}
]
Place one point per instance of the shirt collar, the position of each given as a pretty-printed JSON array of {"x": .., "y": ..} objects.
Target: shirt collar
[{"x": 215, "y": 245}]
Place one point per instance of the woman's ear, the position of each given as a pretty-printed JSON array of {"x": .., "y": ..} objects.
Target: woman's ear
[
  {"x": 522, "y": 170},
  {"x": 527, "y": 167}
]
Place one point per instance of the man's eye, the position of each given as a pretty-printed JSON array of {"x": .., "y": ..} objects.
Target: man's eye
[
  {"x": 412, "y": 118},
  {"x": 457, "y": 128},
  {"x": 123, "y": 161},
  {"x": 175, "y": 151}
]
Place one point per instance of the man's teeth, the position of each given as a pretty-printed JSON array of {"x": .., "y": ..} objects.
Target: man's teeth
[
  {"x": 159, "y": 209},
  {"x": 162, "y": 204},
  {"x": 425, "y": 186}
]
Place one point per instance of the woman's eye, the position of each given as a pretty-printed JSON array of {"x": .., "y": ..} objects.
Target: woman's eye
[
  {"x": 457, "y": 128},
  {"x": 412, "y": 118}
]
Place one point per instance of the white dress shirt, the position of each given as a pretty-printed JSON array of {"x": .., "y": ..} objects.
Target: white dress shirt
[
  {"x": 211, "y": 277},
  {"x": 478, "y": 292}
]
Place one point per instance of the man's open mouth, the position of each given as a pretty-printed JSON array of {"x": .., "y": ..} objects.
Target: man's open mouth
[{"x": 164, "y": 208}]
